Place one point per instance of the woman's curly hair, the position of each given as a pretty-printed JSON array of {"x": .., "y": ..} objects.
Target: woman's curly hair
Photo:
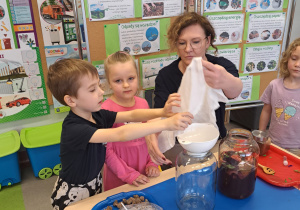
[{"x": 187, "y": 19}]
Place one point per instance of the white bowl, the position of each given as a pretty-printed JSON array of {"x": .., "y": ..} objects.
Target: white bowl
[{"x": 199, "y": 137}]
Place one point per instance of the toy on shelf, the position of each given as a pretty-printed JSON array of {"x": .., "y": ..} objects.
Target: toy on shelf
[
  {"x": 42, "y": 146},
  {"x": 9, "y": 164}
]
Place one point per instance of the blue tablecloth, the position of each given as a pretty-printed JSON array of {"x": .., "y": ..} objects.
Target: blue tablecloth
[{"x": 265, "y": 196}]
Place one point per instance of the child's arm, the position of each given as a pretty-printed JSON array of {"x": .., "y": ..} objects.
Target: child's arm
[
  {"x": 140, "y": 115},
  {"x": 156, "y": 155},
  {"x": 265, "y": 117},
  {"x": 119, "y": 167},
  {"x": 128, "y": 132}
]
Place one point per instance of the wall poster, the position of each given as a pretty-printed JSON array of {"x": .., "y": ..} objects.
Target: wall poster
[
  {"x": 139, "y": 37},
  {"x": 56, "y": 53},
  {"x": 22, "y": 87},
  {"x": 228, "y": 28}
]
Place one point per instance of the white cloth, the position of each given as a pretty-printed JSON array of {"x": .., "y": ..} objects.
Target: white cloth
[{"x": 197, "y": 98}]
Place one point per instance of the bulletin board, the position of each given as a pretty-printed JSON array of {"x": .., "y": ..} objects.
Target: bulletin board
[
  {"x": 238, "y": 27},
  {"x": 97, "y": 45}
]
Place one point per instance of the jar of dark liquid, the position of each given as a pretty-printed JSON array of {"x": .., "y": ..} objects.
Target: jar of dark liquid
[{"x": 238, "y": 159}]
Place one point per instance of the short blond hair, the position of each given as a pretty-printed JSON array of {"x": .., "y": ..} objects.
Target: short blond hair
[
  {"x": 187, "y": 19},
  {"x": 283, "y": 62},
  {"x": 64, "y": 77}
]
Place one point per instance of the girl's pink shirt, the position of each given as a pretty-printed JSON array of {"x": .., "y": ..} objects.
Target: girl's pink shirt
[{"x": 125, "y": 161}]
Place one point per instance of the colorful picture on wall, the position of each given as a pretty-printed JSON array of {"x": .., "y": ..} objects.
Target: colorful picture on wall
[
  {"x": 22, "y": 86},
  {"x": 57, "y": 22}
]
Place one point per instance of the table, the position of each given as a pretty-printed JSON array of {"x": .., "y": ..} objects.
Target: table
[{"x": 162, "y": 188}]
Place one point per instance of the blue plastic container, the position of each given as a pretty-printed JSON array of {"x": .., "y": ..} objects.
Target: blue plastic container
[
  {"x": 9, "y": 164},
  {"x": 119, "y": 197},
  {"x": 43, "y": 147}
]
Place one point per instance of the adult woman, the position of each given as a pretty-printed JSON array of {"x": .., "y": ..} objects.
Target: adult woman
[{"x": 190, "y": 35}]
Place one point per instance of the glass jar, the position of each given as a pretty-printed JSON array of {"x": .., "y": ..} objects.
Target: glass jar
[
  {"x": 238, "y": 159},
  {"x": 196, "y": 180}
]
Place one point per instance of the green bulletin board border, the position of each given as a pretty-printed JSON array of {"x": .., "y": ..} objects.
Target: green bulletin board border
[
  {"x": 12, "y": 24},
  {"x": 254, "y": 91},
  {"x": 111, "y": 34},
  {"x": 260, "y": 44}
]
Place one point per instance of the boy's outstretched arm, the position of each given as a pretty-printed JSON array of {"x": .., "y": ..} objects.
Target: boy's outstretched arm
[
  {"x": 128, "y": 132},
  {"x": 141, "y": 115},
  {"x": 265, "y": 117}
]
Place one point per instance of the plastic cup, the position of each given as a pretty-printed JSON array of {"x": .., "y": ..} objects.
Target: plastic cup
[{"x": 263, "y": 141}]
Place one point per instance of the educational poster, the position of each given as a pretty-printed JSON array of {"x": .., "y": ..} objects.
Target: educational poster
[
  {"x": 151, "y": 67},
  {"x": 263, "y": 5},
  {"x": 247, "y": 89},
  {"x": 109, "y": 10},
  {"x": 265, "y": 27},
  {"x": 228, "y": 28},
  {"x": 24, "y": 25},
  {"x": 161, "y": 8},
  {"x": 57, "y": 22},
  {"x": 56, "y": 53},
  {"x": 232, "y": 54},
  {"x": 22, "y": 86},
  {"x": 7, "y": 39},
  {"x": 139, "y": 37},
  {"x": 223, "y": 5},
  {"x": 261, "y": 58}
]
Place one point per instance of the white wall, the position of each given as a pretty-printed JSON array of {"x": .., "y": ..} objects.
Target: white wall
[{"x": 296, "y": 26}]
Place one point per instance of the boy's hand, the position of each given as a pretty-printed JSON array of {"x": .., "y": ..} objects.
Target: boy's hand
[
  {"x": 171, "y": 102},
  {"x": 179, "y": 121},
  {"x": 141, "y": 179},
  {"x": 152, "y": 171}
]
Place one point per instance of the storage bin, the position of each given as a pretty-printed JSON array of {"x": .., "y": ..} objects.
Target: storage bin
[
  {"x": 42, "y": 145},
  {"x": 9, "y": 164}
]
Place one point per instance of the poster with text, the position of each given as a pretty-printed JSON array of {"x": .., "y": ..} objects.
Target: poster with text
[
  {"x": 7, "y": 39},
  {"x": 228, "y": 28},
  {"x": 263, "y": 5},
  {"x": 261, "y": 58},
  {"x": 232, "y": 54},
  {"x": 161, "y": 8},
  {"x": 222, "y": 5},
  {"x": 247, "y": 88},
  {"x": 151, "y": 67},
  {"x": 110, "y": 9},
  {"x": 265, "y": 27},
  {"x": 24, "y": 25},
  {"x": 139, "y": 37},
  {"x": 22, "y": 87},
  {"x": 57, "y": 22},
  {"x": 56, "y": 53}
]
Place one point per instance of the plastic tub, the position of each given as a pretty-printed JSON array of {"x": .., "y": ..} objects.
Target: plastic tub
[
  {"x": 43, "y": 147},
  {"x": 9, "y": 164}
]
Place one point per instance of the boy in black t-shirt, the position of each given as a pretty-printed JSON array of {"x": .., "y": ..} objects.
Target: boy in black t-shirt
[{"x": 75, "y": 83}]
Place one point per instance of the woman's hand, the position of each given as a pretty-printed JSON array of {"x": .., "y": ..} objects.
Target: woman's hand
[
  {"x": 217, "y": 77},
  {"x": 152, "y": 171},
  {"x": 155, "y": 154},
  {"x": 141, "y": 179},
  {"x": 173, "y": 100}
]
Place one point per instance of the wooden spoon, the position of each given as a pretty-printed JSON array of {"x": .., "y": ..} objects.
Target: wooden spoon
[{"x": 266, "y": 169}]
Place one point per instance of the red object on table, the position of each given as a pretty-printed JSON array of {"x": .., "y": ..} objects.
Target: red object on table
[{"x": 284, "y": 176}]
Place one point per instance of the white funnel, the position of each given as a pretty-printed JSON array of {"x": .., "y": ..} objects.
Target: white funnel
[{"x": 199, "y": 138}]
